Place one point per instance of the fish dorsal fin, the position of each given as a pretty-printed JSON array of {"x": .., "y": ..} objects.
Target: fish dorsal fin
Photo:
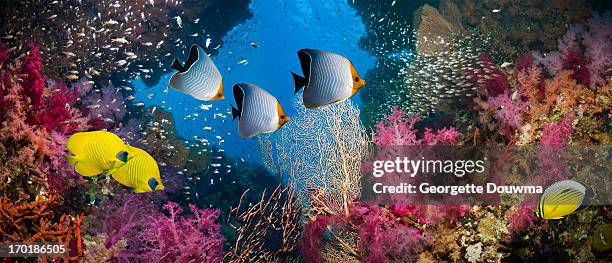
[
  {"x": 305, "y": 56},
  {"x": 238, "y": 96},
  {"x": 77, "y": 142},
  {"x": 192, "y": 58},
  {"x": 299, "y": 81},
  {"x": 176, "y": 64}
]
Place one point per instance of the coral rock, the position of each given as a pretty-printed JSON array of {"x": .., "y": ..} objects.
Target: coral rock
[{"x": 431, "y": 27}]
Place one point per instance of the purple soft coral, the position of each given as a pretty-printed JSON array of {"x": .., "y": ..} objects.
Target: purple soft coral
[
  {"x": 587, "y": 51},
  {"x": 176, "y": 238},
  {"x": 507, "y": 110}
]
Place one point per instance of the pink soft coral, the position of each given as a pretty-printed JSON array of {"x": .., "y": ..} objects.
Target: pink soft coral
[
  {"x": 177, "y": 238},
  {"x": 521, "y": 218},
  {"x": 399, "y": 129},
  {"x": 37, "y": 114},
  {"x": 381, "y": 234},
  {"x": 587, "y": 51},
  {"x": 310, "y": 244},
  {"x": 557, "y": 133},
  {"x": 396, "y": 129},
  {"x": 508, "y": 110},
  {"x": 383, "y": 237},
  {"x": 430, "y": 214}
]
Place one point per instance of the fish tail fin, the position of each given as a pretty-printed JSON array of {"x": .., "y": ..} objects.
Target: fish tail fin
[
  {"x": 589, "y": 195},
  {"x": 235, "y": 113},
  {"x": 300, "y": 82},
  {"x": 176, "y": 64}
]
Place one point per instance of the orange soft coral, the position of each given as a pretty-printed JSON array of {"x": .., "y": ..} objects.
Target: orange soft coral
[
  {"x": 37, "y": 222},
  {"x": 562, "y": 92}
]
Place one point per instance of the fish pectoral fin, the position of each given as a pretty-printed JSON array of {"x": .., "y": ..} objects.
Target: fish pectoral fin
[
  {"x": 111, "y": 171},
  {"x": 86, "y": 169},
  {"x": 299, "y": 81}
]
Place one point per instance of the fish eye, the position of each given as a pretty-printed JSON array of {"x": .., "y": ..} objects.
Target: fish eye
[{"x": 356, "y": 79}]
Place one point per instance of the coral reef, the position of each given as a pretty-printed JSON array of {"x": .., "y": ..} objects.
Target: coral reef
[
  {"x": 37, "y": 114},
  {"x": 438, "y": 80},
  {"x": 432, "y": 28},
  {"x": 399, "y": 129},
  {"x": 98, "y": 252},
  {"x": 176, "y": 238},
  {"x": 38, "y": 222},
  {"x": 129, "y": 235},
  {"x": 100, "y": 39},
  {"x": 546, "y": 23}
]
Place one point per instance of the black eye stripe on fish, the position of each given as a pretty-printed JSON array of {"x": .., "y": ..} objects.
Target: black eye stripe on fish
[
  {"x": 328, "y": 78},
  {"x": 563, "y": 198},
  {"x": 259, "y": 111},
  {"x": 199, "y": 77},
  {"x": 138, "y": 170}
]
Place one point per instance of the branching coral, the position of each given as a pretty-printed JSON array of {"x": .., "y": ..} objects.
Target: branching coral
[
  {"x": 320, "y": 151},
  {"x": 38, "y": 222},
  {"x": 268, "y": 230}
]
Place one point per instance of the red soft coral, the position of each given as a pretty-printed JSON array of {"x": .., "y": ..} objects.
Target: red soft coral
[
  {"x": 34, "y": 83},
  {"x": 310, "y": 245}
]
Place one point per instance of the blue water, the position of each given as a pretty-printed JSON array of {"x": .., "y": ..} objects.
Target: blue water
[{"x": 280, "y": 29}]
